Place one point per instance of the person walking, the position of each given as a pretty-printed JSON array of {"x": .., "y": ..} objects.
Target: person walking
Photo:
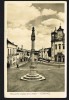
[{"x": 17, "y": 64}]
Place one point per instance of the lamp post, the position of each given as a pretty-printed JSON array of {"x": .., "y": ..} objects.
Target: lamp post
[{"x": 32, "y": 75}]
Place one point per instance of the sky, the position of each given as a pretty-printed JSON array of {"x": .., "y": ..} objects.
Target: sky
[{"x": 22, "y": 16}]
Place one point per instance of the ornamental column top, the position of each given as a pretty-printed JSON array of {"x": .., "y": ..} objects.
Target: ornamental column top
[{"x": 33, "y": 34}]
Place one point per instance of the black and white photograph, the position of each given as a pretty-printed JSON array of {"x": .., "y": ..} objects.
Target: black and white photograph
[{"x": 35, "y": 42}]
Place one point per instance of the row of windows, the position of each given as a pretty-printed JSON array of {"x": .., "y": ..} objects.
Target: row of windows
[
  {"x": 11, "y": 51},
  {"x": 59, "y": 46}
]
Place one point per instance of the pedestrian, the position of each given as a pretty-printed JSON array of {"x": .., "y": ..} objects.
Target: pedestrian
[{"x": 17, "y": 64}]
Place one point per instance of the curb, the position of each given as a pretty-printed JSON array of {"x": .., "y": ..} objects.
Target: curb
[{"x": 51, "y": 64}]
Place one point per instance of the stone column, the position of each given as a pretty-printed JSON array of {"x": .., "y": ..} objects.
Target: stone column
[
  {"x": 32, "y": 75},
  {"x": 32, "y": 67}
]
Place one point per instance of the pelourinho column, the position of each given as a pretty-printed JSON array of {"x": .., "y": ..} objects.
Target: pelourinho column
[
  {"x": 32, "y": 67},
  {"x": 32, "y": 75}
]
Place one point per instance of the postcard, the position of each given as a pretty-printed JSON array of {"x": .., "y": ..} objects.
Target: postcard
[{"x": 35, "y": 49}]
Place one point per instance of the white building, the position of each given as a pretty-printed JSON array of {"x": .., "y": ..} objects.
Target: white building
[
  {"x": 58, "y": 45},
  {"x": 26, "y": 54},
  {"x": 45, "y": 53},
  {"x": 41, "y": 53},
  {"x": 20, "y": 56},
  {"x": 11, "y": 54}
]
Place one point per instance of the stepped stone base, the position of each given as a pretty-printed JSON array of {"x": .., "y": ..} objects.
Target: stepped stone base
[{"x": 30, "y": 77}]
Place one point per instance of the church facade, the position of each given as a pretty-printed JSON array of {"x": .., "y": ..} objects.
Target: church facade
[{"x": 58, "y": 45}]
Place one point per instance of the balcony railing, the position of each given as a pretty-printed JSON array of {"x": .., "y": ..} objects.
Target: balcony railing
[{"x": 62, "y": 39}]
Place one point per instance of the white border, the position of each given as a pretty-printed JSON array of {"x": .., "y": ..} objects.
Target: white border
[{"x": 33, "y": 94}]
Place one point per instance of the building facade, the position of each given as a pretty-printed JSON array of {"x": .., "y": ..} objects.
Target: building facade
[
  {"x": 41, "y": 53},
  {"x": 36, "y": 55},
  {"x": 45, "y": 53},
  {"x": 58, "y": 45},
  {"x": 20, "y": 56},
  {"x": 11, "y": 54}
]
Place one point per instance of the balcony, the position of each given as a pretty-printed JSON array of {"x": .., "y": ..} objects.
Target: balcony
[{"x": 57, "y": 39}]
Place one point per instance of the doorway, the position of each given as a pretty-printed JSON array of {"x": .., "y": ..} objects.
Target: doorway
[{"x": 59, "y": 58}]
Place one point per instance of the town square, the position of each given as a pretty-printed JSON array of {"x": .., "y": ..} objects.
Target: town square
[{"x": 36, "y": 62}]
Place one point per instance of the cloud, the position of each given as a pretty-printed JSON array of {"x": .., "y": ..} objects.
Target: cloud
[
  {"x": 23, "y": 37},
  {"x": 48, "y": 12},
  {"x": 52, "y": 23},
  {"x": 20, "y": 37},
  {"x": 61, "y": 16},
  {"x": 43, "y": 29},
  {"x": 42, "y": 41},
  {"x": 21, "y": 14}
]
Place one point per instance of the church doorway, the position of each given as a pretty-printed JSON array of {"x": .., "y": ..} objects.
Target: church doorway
[{"x": 59, "y": 58}]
